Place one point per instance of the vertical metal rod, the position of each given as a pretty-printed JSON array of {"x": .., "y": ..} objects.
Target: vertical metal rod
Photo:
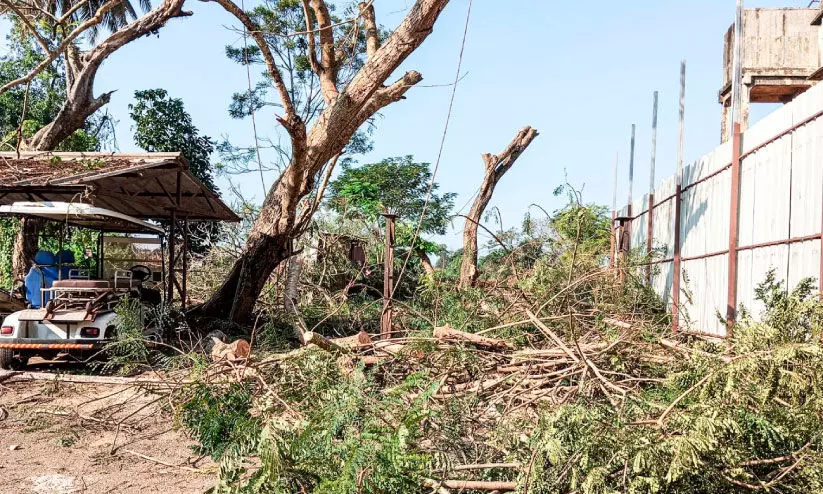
[
  {"x": 100, "y": 255},
  {"x": 678, "y": 198},
  {"x": 734, "y": 226},
  {"x": 734, "y": 220},
  {"x": 626, "y": 235},
  {"x": 613, "y": 231},
  {"x": 388, "y": 279},
  {"x": 62, "y": 231},
  {"x": 164, "y": 279},
  {"x": 172, "y": 260},
  {"x": 650, "y": 225},
  {"x": 737, "y": 66},
  {"x": 631, "y": 166},
  {"x": 185, "y": 275}
]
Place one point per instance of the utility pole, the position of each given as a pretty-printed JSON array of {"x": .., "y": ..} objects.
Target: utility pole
[
  {"x": 678, "y": 199},
  {"x": 734, "y": 209},
  {"x": 650, "y": 225}
]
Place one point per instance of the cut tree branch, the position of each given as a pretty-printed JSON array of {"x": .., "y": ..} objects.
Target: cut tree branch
[{"x": 496, "y": 166}]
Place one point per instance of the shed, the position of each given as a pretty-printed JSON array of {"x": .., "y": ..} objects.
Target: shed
[{"x": 156, "y": 186}]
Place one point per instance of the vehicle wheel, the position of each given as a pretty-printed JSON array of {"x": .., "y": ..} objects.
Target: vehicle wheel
[
  {"x": 9, "y": 362},
  {"x": 6, "y": 358}
]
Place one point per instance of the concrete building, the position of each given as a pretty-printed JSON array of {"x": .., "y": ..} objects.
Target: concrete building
[{"x": 781, "y": 59}]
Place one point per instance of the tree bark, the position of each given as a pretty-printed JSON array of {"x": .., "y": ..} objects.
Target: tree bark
[
  {"x": 496, "y": 167},
  {"x": 425, "y": 261},
  {"x": 364, "y": 96},
  {"x": 25, "y": 248},
  {"x": 80, "y": 104}
]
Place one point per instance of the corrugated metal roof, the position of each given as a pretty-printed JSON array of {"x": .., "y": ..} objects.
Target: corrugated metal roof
[{"x": 147, "y": 185}]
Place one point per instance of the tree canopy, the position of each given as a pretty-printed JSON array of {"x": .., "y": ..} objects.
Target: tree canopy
[
  {"x": 162, "y": 124},
  {"x": 396, "y": 185}
]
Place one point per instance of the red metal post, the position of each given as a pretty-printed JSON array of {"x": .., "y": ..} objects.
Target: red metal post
[
  {"x": 625, "y": 244},
  {"x": 676, "y": 262},
  {"x": 734, "y": 223}
]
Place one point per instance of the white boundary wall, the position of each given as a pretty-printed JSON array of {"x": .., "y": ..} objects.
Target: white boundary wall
[{"x": 781, "y": 198}]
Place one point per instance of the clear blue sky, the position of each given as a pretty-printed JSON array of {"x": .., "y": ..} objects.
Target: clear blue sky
[{"x": 579, "y": 73}]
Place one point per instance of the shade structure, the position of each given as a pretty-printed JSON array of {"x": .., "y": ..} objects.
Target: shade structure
[{"x": 156, "y": 186}]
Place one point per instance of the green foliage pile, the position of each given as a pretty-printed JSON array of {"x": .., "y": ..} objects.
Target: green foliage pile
[
  {"x": 620, "y": 405},
  {"x": 741, "y": 418}
]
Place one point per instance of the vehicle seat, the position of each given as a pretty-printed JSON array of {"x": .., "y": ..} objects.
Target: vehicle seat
[
  {"x": 38, "y": 277},
  {"x": 66, "y": 259},
  {"x": 75, "y": 283}
]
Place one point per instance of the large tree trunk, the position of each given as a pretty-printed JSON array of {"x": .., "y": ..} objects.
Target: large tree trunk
[
  {"x": 348, "y": 109},
  {"x": 25, "y": 248},
  {"x": 80, "y": 104},
  {"x": 496, "y": 167}
]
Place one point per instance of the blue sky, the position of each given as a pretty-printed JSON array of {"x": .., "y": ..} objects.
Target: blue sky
[{"x": 581, "y": 74}]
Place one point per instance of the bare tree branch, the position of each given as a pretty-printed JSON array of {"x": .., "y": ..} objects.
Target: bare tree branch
[
  {"x": 291, "y": 120},
  {"x": 80, "y": 101},
  {"x": 496, "y": 166},
  {"x": 372, "y": 35},
  {"x": 97, "y": 18},
  {"x": 328, "y": 60},
  {"x": 269, "y": 241}
]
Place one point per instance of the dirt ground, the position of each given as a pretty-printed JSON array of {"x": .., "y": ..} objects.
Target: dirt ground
[{"x": 61, "y": 438}]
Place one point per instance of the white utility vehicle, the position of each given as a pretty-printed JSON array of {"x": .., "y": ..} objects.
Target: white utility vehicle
[{"x": 70, "y": 303}]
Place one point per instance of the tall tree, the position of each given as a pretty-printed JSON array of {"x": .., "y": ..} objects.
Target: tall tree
[
  {"x": 496, "y": 166},
  {"x": 316, "y": 143},
  {"x": 162, "y": 124},
  {"x": 398, "y": 186}
]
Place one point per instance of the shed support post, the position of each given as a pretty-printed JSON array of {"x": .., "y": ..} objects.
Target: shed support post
[
  {"x": 171, "y": 278},
  {"x": 185, "y": 274}
]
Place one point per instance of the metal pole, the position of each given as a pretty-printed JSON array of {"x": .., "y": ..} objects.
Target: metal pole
[
  {"x": 631, "y": 167},
  {"x": 678, "y": 198},
  {"x": 388, "y": 278},
  {"x": 734, "y": 220},
  {"x": 650, "y": 226},
  {"x": 626, "y": 239},
  {"x": 613, "y": 236},
  {"x": 183, "y": 290},
  {"x": 737, "y": 66},
  {"x": 172, "y": 259}
]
